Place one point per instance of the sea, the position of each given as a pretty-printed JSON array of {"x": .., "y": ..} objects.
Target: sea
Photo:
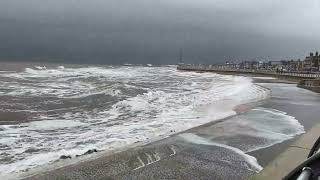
[{"x": 54, "y": 111}]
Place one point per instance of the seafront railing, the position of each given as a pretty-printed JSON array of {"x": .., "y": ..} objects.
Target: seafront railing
[{"x": 213, "y": 68}]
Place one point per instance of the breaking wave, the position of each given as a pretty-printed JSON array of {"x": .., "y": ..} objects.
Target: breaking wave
[
  {"x": 73, "y": 110},
  {"x": 256, "y": 129}
]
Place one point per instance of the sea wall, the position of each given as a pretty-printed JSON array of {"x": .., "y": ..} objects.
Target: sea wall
[
  {"x": 211, "y": 68},
  {"x": 310, "y": 81},
  {"x": 310, "y": 84}
]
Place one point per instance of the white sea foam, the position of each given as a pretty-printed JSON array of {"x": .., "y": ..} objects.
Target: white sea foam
[
  {"x": 261, "y": 77},
  {"x": 7, "y": 71},
  {"x": 41, "y": 67},
  {"x": 60, "y": 67},
  {"x": 193, "y": 138},
  {"x": 259, "y": 128},
  {"x": 154, "y": 102},
  {"x": 280, "y": 127},
  {"x": 53, "y": 124}
]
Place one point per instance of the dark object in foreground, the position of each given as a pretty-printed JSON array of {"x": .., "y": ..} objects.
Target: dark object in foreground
[
  {"x": 88, "y": 152},
  {"x": 309, "y": 169},
  {"x": 65, "y": 157}
]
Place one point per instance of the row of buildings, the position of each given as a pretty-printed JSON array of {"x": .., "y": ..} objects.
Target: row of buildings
[{"x": 310, "y": 64}]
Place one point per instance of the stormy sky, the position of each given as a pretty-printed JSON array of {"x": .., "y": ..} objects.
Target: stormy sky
[{"x": 152, "y": 31}]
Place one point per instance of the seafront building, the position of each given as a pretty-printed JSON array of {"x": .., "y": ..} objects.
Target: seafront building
[
  {"x": 310, "y": 64},
  {"x": 307, "y": 72},
  {"x": 308, "y": 68}
]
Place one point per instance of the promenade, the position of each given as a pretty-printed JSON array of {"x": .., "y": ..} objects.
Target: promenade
[{"x": 221, "y": 69}]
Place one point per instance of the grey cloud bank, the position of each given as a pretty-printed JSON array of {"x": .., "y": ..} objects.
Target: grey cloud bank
[{"x": 149, "y": 31}]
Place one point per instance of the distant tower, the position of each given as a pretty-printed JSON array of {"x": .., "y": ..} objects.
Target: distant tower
[
  {"x": 317, "y": 54},
  {"x": 180, "y": 56}
]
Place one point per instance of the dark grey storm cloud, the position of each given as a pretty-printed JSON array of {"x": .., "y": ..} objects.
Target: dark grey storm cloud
[{"x": 150, "y": 31}]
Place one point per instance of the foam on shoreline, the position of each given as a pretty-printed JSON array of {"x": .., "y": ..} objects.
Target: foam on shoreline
[
  {"x": 193, "y": 138},
  {"x": 150, "y": 111}
]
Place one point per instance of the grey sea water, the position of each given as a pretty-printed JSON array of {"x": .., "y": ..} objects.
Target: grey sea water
[{"x": 53, "y": 111}]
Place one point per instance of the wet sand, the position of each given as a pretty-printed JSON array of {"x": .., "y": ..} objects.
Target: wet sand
[
  {"x": 308, "y": 116},
  {"x": 170, "y": 158}
]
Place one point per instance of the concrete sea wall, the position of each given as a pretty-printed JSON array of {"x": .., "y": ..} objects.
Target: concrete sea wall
[
  {"x": 310, "y": 81},
  {"x": 212, "y": 68}
]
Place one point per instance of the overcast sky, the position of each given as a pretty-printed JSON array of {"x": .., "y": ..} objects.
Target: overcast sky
[{"x": 152, "y": 31}]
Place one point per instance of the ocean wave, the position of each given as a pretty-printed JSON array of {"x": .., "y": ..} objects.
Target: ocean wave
[
  {"x": 256, "y": 129},
  {"x": 150, "y": 103}
]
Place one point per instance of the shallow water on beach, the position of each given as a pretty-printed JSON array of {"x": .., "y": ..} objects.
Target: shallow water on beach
[{"x": 70, "y": 110}]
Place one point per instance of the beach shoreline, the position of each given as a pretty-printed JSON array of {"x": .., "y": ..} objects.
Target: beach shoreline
[
  {"x": 64, "y": 165},
  {"x": 131, "y": 156},
  {"x": 98, "y": 161}
]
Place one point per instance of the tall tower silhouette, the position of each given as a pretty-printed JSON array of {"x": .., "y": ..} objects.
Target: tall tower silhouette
[{"x": 181, "y": 56}]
